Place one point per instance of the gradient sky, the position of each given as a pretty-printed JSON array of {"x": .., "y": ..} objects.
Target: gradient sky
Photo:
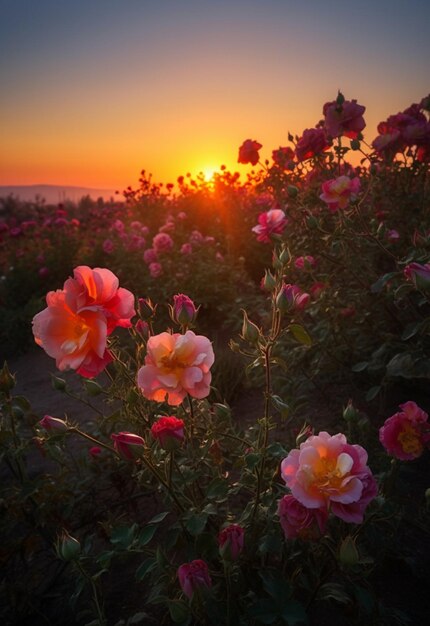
[{"x": 92, "y": 91}]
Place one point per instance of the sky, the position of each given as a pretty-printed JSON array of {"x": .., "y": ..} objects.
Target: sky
[{"x": 94, "y": 91}]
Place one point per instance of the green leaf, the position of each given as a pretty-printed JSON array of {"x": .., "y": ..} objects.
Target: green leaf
[
  {"x": 179, "y": 611},
  {"x": 275, "y": 586},
  {"x": 252, "y": 460},
  {"x": 123, "y": 536},
  {"x": 147, "y": 534},
  {"x": 360, "y": 367},
  {"x": 373, "y": 392},
  {"x": 264, "y": 611},
  {"x": 333, "y": 591},
  {"x": 300, "y": 334},
  {"x": 411, "y": 330},
  {"x": 382, "y": 281},
  {"x": 159, "y": 518},
  {"x": 294, "y": 613},
  {"x": 276, "y": 450},
  {"x": 196, "y": 523},
  {"x": 145, "y": 568},
  {"x": 217, "y": 488}
]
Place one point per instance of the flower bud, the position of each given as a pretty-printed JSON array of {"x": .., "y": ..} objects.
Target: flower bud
[
  {"x": 142, "y": 328},
  {"x": 169, "y": 432},
  {"x": 183, "y": 312},
  {"x": 348, "y": 553},
  {"x": 355, "y": 144},
  {"x": 53, "y": 424},
  {"x": 350, "y": 414},
  {"x": 7, "y": 380},
  {"x": 250, "y": 332},
  {"x": 285, "y": 256},
  {"x": 146, "y": 308},
  {"x": 194, "y": 577},
  {"x": 93, "y": 388},
  {"x": 419, "y": 275},
  {"x": 230, "y": 541},
  {"x": 128, "y": 445},
  {"x": 268, "y": 283},
  {"x": 222, "y": 411},
  {"x": 68, "y": 548}
]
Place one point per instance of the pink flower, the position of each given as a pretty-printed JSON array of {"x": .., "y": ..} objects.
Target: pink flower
[
  {"x": 95, "y": 451},
  {"x": 344, "y": 119},
  {"x": 118, "y": 225},
  {"x": 338, "y": 192},
  {"x": 150, "y": 256},
  {"x": 43, "y": 272},
  {"x": 291, "y": 297},
  {"x": 128, "y": 445},
  {"x": 283, "y": 157},
  {"x": 162, "y": 242},
  {"x": 305, "y": 262},
  {"x": 405, "y": 434},
  {"x": 169, "y": 432},
  {"x": 419, "y": 275},
  {"x": 108, "y": 246},
  {"x": 230, "y": 541},
  {"x": 312, "y": 142},
  {"x": 53, "y": 424},
  {"x": 193, "y": 577},
  {"x": 186, "y": 248},
  {"x": 183, "y": 311},
  {"x": 74, "y": 327},
  {"x": 300, "y": 521},
  {"x": 328, "y": 472},
  {"x": 272, "y": 222},
  {"x": 248, "y": 152},
  {"x": 155, "y": 269},
  {"x": 393, "y": 235},
  {"x": 176, "y": 365}
]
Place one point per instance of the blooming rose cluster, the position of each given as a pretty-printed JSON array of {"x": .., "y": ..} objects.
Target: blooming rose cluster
[
  {"x": 272, "y": 222},
  {"x": 176, "y": 365},
  {"x": 312, "y": 142},
  {"x": 248, "y": 152},
  {"x": 74, "y": 327},
  {"x": 343, "y": 118},
  {"x": 328, "y": 473},
  {"x": 405, "y": 434}
]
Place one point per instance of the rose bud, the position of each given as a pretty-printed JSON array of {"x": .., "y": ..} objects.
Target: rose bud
[
  {"x": 169, "y": 432},
  {"x": 128, "y": 445}
]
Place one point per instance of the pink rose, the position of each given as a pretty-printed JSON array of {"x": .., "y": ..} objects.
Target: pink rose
[
  {"x": 150, "y": 256},
  {"x": 155, "y": 269},
  {"x": 183, "y": 311},
  {"x": 95, "y": 452},
  {"x": 328, "y": 472},
  {"x": 169, "y": 432},
  {"x": 305, "y": 262},
  {"x": 230, "y": 541},
  {"x": 186, "y": 249},
  {"x": 419, "y": 275},
  {"x": 338, "y": 192},
  {"x": 162, "y": 242},
  {"x": 291, "y": 297},
  {"x": 272, "y": 222},
  {"x": 248, "y": 152},
  {"x": 344, "y": 119},
  {"x": 312, "y": 142},
  {"x": 300, "y": 521},
  {"x": 108, "y": 246},
  {"x": 128, "y": 445},
  {"x": 193, "y": 577},
  {"x": 74, "y": 327},
  {"x": 53, "y": 424},
  {"x": 404, "y": 435},
  {"x": 176, "y": 365}
]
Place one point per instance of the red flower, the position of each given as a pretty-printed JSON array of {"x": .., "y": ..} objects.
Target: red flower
[{"x": 248, "y": 152}]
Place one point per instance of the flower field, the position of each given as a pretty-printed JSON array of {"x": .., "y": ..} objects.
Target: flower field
[{"x": 252, "y": 357}]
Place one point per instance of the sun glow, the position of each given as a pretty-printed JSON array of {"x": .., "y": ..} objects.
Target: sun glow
[{"x": 208, "y": 172}]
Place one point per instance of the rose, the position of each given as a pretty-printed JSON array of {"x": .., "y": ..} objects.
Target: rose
[
  {"x": 419, "y": 275},
  {"x": 283, "y": 157},
  {"x": 162, "y": 242},
  {"x": 291, "y": 297},
  {"x": 405, "y": 434},
  {"x": 169, "y": 432},
  {"x": 272, "y": 222},
  {"x": 248, "y": 152},
  {"x": 344, "y": 119},
  {"x": 312, "y": 142},
  {"x": 193, "y": 577},
  {"x": 328, "y": 472},
  {"x": 230, "y": 541},
  {"x": 300, "y": 521},
  {"x": 128, "y": 445},
  {"x": 183, "y": 311},
  {"x": 305, "y": 262},
  {"x": 176, "y": 365},
  {"x": 53, "y": 424},
  {"x": 338, "y": 192}
]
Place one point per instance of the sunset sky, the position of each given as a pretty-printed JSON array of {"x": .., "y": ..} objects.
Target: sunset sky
[{"x": 92, "y": 91}]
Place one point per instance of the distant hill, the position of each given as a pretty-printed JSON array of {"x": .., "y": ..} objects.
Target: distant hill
[{"x": 56, "y": 193}]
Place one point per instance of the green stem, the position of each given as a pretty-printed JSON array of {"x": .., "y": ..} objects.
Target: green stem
[{"x": 99, "y": 611}]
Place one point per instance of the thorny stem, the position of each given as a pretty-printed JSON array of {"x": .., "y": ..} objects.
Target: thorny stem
[{"x": 100, "y": 615}]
